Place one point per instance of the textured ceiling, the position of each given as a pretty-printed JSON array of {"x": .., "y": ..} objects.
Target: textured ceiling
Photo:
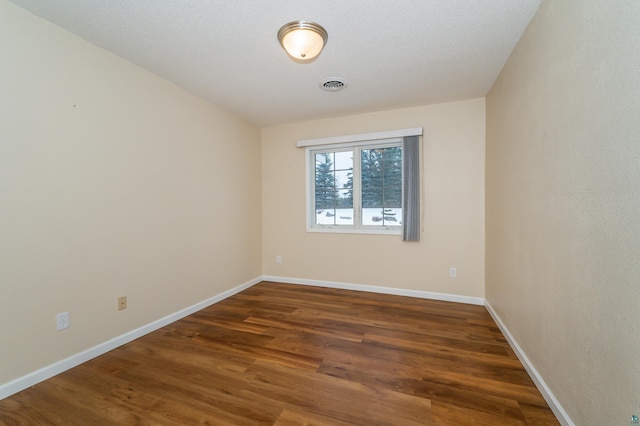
[{"x": 391, "y": 53}]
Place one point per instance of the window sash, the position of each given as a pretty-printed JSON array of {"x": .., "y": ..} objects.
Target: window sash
[{"x": 357, "y": 216}]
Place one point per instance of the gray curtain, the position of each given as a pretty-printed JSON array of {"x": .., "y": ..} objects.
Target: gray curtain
[{"x": 410, "y": 189}]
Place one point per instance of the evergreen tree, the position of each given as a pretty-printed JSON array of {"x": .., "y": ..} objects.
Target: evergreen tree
[
  {"x": 326, "y": 192},
  {"x": 381, "y": 184},
  {"x": 349, "y": 187},
  {"x": 382, "y": 180},
  {"x": 392, "y": 177}
]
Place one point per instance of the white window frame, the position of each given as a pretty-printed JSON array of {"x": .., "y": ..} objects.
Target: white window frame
[
  {"x": 357, "y": 227},
  {"x": 364, "y": 139}
]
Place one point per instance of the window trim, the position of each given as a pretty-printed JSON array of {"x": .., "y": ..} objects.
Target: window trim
[
  {"x": 362, "y": 137},
  {"x": 357, "y": 227}
]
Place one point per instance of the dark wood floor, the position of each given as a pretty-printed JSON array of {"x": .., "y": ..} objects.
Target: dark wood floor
[{"x": 279, "y": 354}]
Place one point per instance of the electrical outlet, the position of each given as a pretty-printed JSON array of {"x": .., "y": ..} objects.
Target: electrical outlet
[
  {"x": 122, "y": 303},
  {"x": 453, "y": 272},
  {"x": 62, "y": 321}
]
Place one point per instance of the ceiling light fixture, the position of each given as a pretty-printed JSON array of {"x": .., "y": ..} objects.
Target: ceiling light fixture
[{"x": 302, "y": 40}]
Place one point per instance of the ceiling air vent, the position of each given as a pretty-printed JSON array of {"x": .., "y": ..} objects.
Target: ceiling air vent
[{"x": 333, "y": 85}]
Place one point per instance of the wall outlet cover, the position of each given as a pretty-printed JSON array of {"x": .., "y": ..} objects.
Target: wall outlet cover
[{"x": 62, "y": 321}]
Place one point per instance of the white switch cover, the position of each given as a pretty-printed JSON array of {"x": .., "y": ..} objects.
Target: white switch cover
[{"x": 452, "y": 272}]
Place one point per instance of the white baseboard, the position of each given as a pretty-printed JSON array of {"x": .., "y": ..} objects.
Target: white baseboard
[
  {"x": 376, "y": 289},
  {"x": 554, "y": 404},
  {"x": 44, "y": 373},
  {"x": 21, "y": 383}
]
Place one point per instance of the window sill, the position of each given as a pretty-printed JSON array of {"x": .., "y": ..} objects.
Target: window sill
[{"x": 347, "y": 230}]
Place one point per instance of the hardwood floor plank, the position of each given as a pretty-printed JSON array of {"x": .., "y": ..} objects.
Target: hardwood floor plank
[
  {"x": 453, "y": 414},
  {"x": 282, "y": 354},
  {"x": 339, "y": 399},
  {"x": 319, "y": 328},
  {"x": 291, "y": 417},
  {"x": 202, "y": 397},
  {"x": 539, "y": 416},
  {"x": 504, "y": 407}
]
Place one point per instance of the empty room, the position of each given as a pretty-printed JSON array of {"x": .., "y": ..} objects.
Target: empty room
[{"x": 319, "y": 213}]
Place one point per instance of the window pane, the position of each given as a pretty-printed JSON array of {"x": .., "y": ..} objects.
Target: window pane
[
  {"x": 344, "y": 216},
  {"x": 344, "y": 199},
  {"x": 392, "y": 197},
  {"x": 326, "y": 216},
  {"x": 334, "y": 187},
  {"x": 381, "y": 186},
  {"x": 324, "y": 170},
  {"x": 325, "y": 193},
  {"x": 382, "y": 217},
  {"x": 392, "y": 217},
  {"x": 392, "y": 167},
  {"x": 343, "y": 179},
  {"x": 325, "y": 199},
  {"x": 371, "y": 179},
  {"x": 344, "y": 160},
  {"x": 371, "y": 216},
  {"x": 324, "y": 158}
]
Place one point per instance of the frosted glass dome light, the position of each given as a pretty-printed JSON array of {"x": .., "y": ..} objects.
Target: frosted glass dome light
[{"x": 302, "y": 40}]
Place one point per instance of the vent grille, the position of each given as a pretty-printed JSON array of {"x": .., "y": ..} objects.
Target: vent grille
[{"x": 333, "y": 85}]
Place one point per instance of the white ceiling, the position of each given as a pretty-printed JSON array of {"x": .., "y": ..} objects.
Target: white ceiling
[{"x": 391, "y": 53}]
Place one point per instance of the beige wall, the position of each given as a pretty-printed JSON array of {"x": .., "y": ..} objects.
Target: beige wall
[
  {"x": 563, "y": 204},
  {"x": 453, "y": 226},
  {"x": 112, "y": 182}
]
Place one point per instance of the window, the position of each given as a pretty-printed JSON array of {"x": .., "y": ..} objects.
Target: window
[
  {"x": 356, "y": 186},
  {"x": 367, "y": 183}
]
